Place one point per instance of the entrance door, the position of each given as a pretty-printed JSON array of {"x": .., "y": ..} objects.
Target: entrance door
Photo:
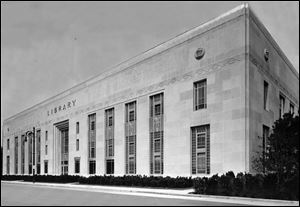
[
  {"x": 61, "y": 148},
  {"x": 64, "y": 151}
]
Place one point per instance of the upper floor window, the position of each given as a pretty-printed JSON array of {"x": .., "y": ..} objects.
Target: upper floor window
[
  {"x": 282, "y": 105},
  {"x": 77, "y": 127},
  {"x": 46, "y": 135},
  {"x": 92, "y": 125},
  {"x": 8, "y": 144},
  {"x": 200, "y": 95},
  {"x": 266, "y": 91}
]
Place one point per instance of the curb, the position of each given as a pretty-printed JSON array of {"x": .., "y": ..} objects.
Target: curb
[{"x": 180, "y": 194}]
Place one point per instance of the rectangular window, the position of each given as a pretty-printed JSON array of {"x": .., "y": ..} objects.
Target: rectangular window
[
  {"x": 282, "y": 105},
  {"x": 92, "y": 167},
  {"x": 46, "y": 149},
  {"x": 156, "y": 133},
  {"x": 201, "y": 162},
  {"x": 110, "y": 166},
  {"x": 45, "y": 166},
  {"x": 23, "y": 154},
  {"x": 16, "y": 155},
  {"x": 131, "y": 148},
  {"x": 265, "y": 145},
  {"x": 200, "y": 95},
  {"x": 131, "y": 116},
  {"x": 77, "y": 164},
  {"x": 7, "y": 165},
  {"x": 110, "y": 121},
  {"x": 38, "y": 150},
  {"x": 77, "y": 144},
  {"x": 157, "y": 109},
  {"x": 29, "y": 139},
  {"x": 200, "y": 140},
  {"x": 130, "y": 137},
  {"x": 266, "y": 91},
  {"x": 46, "y": 135},
  {"x": 157, "y": 145},
  {"x": 92, "y": 125},
  {"x": 200, "y": 149},
  {"x": 7, "y": 144},
  {"x": 91, "y": 144},
  {"x": 265, "y": 138},
  {"x": 292, "y": 108},
  {"x": 131, "y": 165},
  {"x": 109, "y": 139},
  {"x": 157, "y": 164},
  {"x": 77, "y": 127}
]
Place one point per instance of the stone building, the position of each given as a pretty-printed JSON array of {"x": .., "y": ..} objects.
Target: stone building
[{"x": 194, "y": 105}]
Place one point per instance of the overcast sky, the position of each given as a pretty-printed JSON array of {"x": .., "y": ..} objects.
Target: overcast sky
[{"x": 48, "y": 47}]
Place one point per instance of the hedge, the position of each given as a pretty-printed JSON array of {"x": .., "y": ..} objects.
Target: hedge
[
  {"x": 248, "y": 185},
  {"x": 137, "y": 181},
  {"x": 245, "y": 185}
]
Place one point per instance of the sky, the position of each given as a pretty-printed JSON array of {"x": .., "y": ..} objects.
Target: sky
[{"x": 48, "y": 47}]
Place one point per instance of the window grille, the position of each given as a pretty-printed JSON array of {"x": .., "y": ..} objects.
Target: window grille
[
  {"x": 156, "y": 133},
  {"x": 200, "y": 95},
  {"x": 200, "y": 149}
]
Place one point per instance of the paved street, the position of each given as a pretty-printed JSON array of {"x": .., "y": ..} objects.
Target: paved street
[{"x": 30, "y": 195}]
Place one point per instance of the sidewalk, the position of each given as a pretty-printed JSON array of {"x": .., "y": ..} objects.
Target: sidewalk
[{"x": 169, "y": 193}]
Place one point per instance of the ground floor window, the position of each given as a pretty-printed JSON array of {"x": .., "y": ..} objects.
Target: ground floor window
[
  {"x": 92, "y": 167},
  {"x": 38, "y": 169},
  {"x": 7, "y": 165},
  {"x": 110, "y": 166},
  {"x": 46, "y": 167},
  {"x": 77, "y": 165},
  {"x": 200, "y": 141}
]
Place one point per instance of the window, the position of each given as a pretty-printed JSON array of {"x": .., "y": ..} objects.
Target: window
[
  {"x": 77, "y": 144},
  {"x": 45, "y": 166},
  {"x": 92, "y": 125},
  {"x": 110, "y": 121},
  {"x": 200, "y": 140},
  {"x": 46, "y": 135},
  {"x": 200, "y": 93},
  {"x": 157, "y": 164},
  {"x": 201, "y": 162},
  {"x": 7, "y": 144},
  {"x": 157, "y": 109},
  {"x": 130, "y": 137},
  {"x": 265, "y": 142},
  {"x": 282, "y": 105},
  {"x": 157, "y": 145},
  {"x": 266, "y": 102},
  {"x": 92, "y": 167},
  {"x": 292, "y": 108},
  {"x": 91, "y": 144},
  {"x": 110, "y": 166},
  {"x": 131, "y": 148},
  {"x": 131, "y": 116},
  {"x": 23, "y": 154},
  {"x": 77, "y": 127},
  {"x": 156, "y": 133},
  {"x": 110, "y": 150},
  {"x": 7, "y": 165},
  {"x": 109, "y": 133},
  {"x": 77, "y": 164},
  {"x": 131, "y": 165},
  {"x": 16, "y": 155},
  {"x": 46, "y": 149},
  {"x": 200, "y": 149}
]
